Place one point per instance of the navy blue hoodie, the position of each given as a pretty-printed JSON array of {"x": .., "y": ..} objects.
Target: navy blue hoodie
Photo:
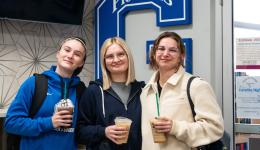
[{"x": 96, "y": 114}]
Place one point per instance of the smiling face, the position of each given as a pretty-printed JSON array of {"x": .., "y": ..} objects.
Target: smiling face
[
  {"x": 168, "y": 55},
  {"x": 70, "y": 57},
  {"x": 116, "y": 60}
]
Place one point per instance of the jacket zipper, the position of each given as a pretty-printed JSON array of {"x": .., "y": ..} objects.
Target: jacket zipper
[
  {"x": 125, "y": 105},
  {"x": 131, "y": 98}
]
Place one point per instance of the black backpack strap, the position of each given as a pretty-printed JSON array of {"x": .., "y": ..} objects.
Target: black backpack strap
[
  {"x": 189, "y": 97},
  {"x": 13, "y": 141},
  {"x": 40, "y": 92},
  {"x": 218, "y": 145},
  {"x": 80, "y": 89}
]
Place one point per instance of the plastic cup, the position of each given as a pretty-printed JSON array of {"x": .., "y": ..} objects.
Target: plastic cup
[
  {"x": 70, "y": 109},
  {"x": 158, "y": 137},
  {"x": 125, "y": 123}
]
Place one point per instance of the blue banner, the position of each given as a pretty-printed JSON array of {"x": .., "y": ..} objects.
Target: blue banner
[{"x": 110, "y": 17}]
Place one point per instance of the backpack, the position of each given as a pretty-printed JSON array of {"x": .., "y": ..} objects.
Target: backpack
[
  {"x": 41, "y": 87},
  {"x": 217, "y": 145}
]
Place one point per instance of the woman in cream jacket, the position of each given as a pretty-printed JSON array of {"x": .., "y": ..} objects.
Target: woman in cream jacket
[{"x": 169, "y": 84}]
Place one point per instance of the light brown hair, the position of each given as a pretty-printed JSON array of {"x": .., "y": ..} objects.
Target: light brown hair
[
  {"x": 174, "y": 36},
  {"x": 83, "y": 43}
]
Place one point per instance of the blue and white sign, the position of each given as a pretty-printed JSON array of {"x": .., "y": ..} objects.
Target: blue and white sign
[
  {"x": 248, "y": 97},
  {"x": 110, "y": 17}
]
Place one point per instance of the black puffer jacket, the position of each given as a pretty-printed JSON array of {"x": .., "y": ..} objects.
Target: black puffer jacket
[{"x": 96, "y": 114}]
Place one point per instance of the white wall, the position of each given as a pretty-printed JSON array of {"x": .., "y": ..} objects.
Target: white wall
[
  {"x": 227, "y": 69},
  {"x": 141, "y": 26}
]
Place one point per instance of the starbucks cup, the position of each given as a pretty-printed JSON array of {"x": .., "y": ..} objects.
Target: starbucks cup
[
  {"x": 158, "y": 137},
  {"x": 125, "y": 123},
  {"x": 65, "y": 104}
]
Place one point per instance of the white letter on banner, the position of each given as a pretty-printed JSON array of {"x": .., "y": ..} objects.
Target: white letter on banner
[
  {"x": 114, "y": 5},
  {"x": 116, "y": 1},
  {"x": 168, "y": 2}
]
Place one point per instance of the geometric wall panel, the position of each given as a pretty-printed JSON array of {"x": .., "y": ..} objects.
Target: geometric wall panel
[{"x": 30, "y": 47}]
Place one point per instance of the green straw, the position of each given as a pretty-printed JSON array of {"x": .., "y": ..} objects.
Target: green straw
[
  {"x": 65, "y": 91},
  {"x": 157, "y": 105}
]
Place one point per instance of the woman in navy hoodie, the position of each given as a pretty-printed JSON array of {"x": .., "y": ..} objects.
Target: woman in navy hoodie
[
  {"x": 117, "y": 94},
  {"x": 49, "y": 129}
]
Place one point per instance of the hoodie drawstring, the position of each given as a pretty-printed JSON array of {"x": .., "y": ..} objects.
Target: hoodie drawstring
[
  {"x": 65, "y": 85},
  {"x": 103, "y": 101}
]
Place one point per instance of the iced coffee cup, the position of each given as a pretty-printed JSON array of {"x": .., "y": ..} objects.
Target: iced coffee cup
[
  {"x": 125, "y": 123},
  {"x": 65, "y": 104},
  {"x": 158, "y": 137}
]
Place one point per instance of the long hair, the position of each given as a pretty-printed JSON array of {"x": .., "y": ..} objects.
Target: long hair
[{"x": 105, "y": 73}]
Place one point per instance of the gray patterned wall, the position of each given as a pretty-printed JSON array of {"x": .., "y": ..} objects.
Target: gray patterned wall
[{"x": 30, "y": 47}]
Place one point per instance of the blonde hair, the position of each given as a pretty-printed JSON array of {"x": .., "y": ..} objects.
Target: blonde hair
[{"x": 105, "y": 73}]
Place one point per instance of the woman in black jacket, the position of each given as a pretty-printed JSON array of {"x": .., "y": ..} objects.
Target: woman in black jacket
[{"x": 117, "y": 94}]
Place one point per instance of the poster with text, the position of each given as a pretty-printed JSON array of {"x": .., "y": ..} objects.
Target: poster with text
[
  {"x": 248, "y": 97},
  {"x": 247, "y": 53}
]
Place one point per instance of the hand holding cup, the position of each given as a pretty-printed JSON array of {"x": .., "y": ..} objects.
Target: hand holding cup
[
  {"x": 62, "y": 119},
  {"x": 63, "y": 115},
  {"x": 125, "y": 124},
  {"x": 160, "y": 126},
  {"x": 163, "y": 124},
  {"x": 116, "y": 134}
]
